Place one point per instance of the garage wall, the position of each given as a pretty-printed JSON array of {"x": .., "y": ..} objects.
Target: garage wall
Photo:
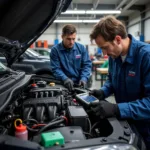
[
  {"x": 83, "y": 31},
  {"x": 147, "y": 25},
  {"x": 135, "y": 29},
  {"x": 49, "y": 35}
]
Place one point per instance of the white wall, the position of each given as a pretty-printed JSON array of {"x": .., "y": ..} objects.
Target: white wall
[
  {"x": 135, "y": 28},
  {"x": 147, "y": 30},
  {"x": 49, "y": 35}
]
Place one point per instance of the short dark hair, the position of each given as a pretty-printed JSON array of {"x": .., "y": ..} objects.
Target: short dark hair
[
  {"x": 68, "y": 29},
  {"x": 108, "y": 27}
]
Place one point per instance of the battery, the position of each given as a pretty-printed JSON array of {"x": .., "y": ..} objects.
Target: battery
[{"x": 78, "y": 117}]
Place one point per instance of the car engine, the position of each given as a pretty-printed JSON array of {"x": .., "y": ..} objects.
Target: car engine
[{"x": 44, "y": 105}]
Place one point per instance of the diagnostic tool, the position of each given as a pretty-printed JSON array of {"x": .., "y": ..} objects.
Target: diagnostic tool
[{"x": 86, "y": 99}]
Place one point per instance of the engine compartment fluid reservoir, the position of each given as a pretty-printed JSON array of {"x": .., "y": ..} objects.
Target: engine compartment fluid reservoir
[{"x": 21, "y": 131}]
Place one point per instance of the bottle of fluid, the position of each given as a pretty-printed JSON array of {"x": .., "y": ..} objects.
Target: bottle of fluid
[{"x": 21, "y": 131}]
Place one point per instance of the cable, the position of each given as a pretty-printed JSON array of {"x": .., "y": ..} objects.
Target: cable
[
  {"x": 93, "y": 126},
  {"x": 65, "y": 119},
  {"x": 33, "y": 120},
  {"x": 50, "y": 125},
  {"x": 55, "y": 119},
  {"x": 90, "y": 126},
  {"x": 38, "y": 125},
  {"x": 30, "y": 129},
  {"x": 88, "y": 134}
]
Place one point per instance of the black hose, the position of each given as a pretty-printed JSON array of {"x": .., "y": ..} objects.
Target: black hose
[
  {"x": 50, "y": 125},
  {"x": 55, "y": 119},
  {"x": 32, "y": 120},
  {"x": 30, "y": 129},
  {"x": 90, "y": 126},
  {"x": 86, "y": 133},
  {"x": 94, "y": 125},
  {"x": 36, "y": 130}
]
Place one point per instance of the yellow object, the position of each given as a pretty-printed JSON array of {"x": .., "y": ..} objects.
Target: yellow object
[
  {"x": 19, "y": 120},
  {"x": 52, "y": 84},
  {"x": 57, "y": 143}
]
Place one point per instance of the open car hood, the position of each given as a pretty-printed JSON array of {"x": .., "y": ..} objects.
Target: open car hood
[{"x": 22, "y": 22}]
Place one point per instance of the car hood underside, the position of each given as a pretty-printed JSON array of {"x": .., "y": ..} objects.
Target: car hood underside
[{"x": 22, "y": 22}]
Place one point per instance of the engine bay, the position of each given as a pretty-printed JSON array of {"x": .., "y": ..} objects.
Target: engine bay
[{"x": 45, "y": 106}]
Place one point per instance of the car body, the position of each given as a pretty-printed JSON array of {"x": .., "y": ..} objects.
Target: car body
[
  {"x": 34, "y": 53},
  {"x": 43, "y": 51},
  {"x": 42, "y": 103},
  {"x": 30, "y": 62}
]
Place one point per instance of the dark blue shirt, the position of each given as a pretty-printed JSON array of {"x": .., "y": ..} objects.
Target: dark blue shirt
[
  {"x": 130, "y": 83},
  {"x": 71, "y": 63}
]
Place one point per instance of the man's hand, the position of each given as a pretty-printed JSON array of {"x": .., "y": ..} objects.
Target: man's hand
[
  {"x": 82, "y": 83},
  {"x": 98, "y": 94},
  {"x": 105, "y": 109},
  {"x": 69, "y": 84}
]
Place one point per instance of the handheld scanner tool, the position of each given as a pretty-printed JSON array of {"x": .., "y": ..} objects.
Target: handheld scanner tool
[{"x": 85, "y": 99}]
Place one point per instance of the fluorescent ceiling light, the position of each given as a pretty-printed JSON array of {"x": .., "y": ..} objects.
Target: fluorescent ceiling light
[
  {"x": 74, "y": 12},
  {"x": 90, "y": 21},
  {"x": 92, "y": 12},
  {"x": 103, "y": 12},
  {"x": 68, "y": 21},
  {"x": 76, "y": 21}
]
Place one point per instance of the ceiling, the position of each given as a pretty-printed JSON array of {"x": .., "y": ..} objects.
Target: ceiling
[
  {"x": 116, "y": 2},
  {"x": 127, "y": 7}
]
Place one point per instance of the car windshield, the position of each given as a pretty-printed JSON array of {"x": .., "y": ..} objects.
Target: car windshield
[
  {"x": 2, "y": 67},
  {"x": 44, "y": 52},
  {"x": 33, "y": 53}
]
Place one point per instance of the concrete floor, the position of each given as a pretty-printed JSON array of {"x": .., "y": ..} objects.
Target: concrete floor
[{"x": 97, "y": 85}]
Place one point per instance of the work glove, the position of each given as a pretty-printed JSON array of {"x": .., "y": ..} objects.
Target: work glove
[
  {"x": 104, "y": 109},
  {"x": 82, "y": 83},
  {"x": 98, "y": 94},
  {"x": 68, "y": 83}
]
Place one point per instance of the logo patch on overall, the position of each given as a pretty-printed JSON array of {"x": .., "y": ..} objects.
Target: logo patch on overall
[
  {"x": 78, "y": 56},
  {"x": 131, "y": 73}
]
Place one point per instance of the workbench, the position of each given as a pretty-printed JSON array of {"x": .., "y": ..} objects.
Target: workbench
[{"x": 103, "y": 72}]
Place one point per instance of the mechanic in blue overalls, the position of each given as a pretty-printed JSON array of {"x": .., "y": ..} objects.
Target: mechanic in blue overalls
[
  {"x": 98, "y": 53},
  {"x": 129, "y": 76},
  {"x": 69, "y": 60}
]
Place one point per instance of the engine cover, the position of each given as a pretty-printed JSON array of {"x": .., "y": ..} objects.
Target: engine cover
[{"x": 43, "y": 104}]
